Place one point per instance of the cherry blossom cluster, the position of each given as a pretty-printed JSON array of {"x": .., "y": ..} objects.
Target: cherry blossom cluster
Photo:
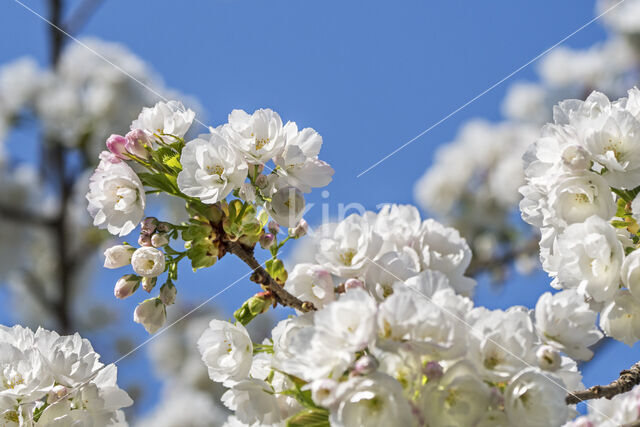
[
  {"x": 253, "y": 162},
  {"x": 478, "y": 194},
  {"x": 48, "y": 379},
  {"x": 582, "y": 178},
  {"x": 76, "y": 107},
  {"x": 395, "y": 341}
]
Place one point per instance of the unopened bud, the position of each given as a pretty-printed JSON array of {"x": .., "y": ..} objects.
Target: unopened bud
[
  {"x": 116, "y": 145},
  {"x": 262, "y": 182},
  {"x": 365, "y": 365},
  {"x": 299, "y": 230},
  {"x": 267, "y": 240},
  {"x": 56, "y": 394},
  {"x": 168, "y": 293},
  {"x": 433, "y": 371},
  {"x": 158, "y": 240},
  {"x": 144, "y": 240},
  {"x": 163, "y": 227},
  {"x": 151, "y": 314},
  {"x": 136, "y": 143},
  {"x": 148, "y": 283},
  {"x": 257, "y": 304},
  {"x": 126, "y": 286},
  {"x": 118, "y": 256},
  {"x": 148, "y": 225},
  {"x": 548, "y": 358},
  {"x": 273, "y": 227},
  {"x": 353, "y": 283}
]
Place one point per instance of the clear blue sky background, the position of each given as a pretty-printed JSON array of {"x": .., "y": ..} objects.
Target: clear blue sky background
[{"x": 368, "y": 76}]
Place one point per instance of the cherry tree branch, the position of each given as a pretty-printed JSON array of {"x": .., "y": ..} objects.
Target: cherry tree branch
[
  {"x": 262, "y": 277},
  {"x": 628, "y": 379},
  {"x": 23, "y": 216}
]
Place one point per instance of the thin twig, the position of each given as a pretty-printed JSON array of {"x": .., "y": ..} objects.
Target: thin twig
[
  {"x": 262, "y": 277},
  {"x": 81, "y": 15},
  {"x": 628, "y": 379}
]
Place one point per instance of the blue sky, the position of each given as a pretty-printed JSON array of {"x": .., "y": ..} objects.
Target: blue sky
[{"x": 369, "y": 76}]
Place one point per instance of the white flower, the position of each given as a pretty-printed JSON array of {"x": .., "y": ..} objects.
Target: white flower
[
  {"x": 211, "y": 168},
  {"x": 298, "y": 164},
  {"x": 116, "y": 197},
  {"x": 117, "y": 256},
  {"x": 351, "y": 319},
  {"x": 390, "y": 268},
  {"x": 630, "y": 273},
  {"x": 227, "y": 351},
  {"x": 374, "y": 400},
  {"x": 253, "y": 401},
  {"x": 574, "y": 198},
  {"x": 588, "y": 256},
  {"x": 169, "y": 118},
  {"x": 620, "y": 318},
  {"x": 535, "y": 399},
  {"x": 443, "y": 249},
  {"x": 346, "y": 248},
  {"x": 258, "y": 136},
  {"x": 502, "y": 342},
  {"x": 311, "y": 283},
  {"x": 616, "y": 146},
  {"x": 459, "y": 398},
  {"x": 286, "y": 206},
  {"x": 148, "y": 261},
  {"x": 61, "y": 375},
  {"x": 151, "y": 313},
  {"x": 323, "y": 391},
  {"x": 566, "y": 322}
]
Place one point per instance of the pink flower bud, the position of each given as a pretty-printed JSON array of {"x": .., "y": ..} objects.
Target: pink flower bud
[
  {"x": 273, "y": 227},
  {"x": 262, "y": 182},
  {"x": 148, "y": 225},
  {"x": 365, "y": 365},
  {"x": 168, "y": 293},
  {"x": 433, "y": 371},
  {"x": 266, "y": 240},
  {"x": 144, "y": 240},
  {"x": 136, "y": 143},
  {"x": 116, "y": 144},
  {"x": 353, "y": 283},
  {"x": 126, "y": 286}
]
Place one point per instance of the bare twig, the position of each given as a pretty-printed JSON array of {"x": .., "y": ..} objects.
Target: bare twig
[
  {"x": 81, "y": 15},
  {"x": 628, "y": 379},
  {"x": 263, "y": 278}
]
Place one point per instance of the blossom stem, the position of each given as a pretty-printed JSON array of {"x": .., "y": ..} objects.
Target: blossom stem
[
  {"x": 263, "y": 278},
  {"x": 628, "y": 379}
]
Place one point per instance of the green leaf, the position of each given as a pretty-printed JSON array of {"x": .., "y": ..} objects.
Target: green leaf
[
  {"x": 157, "y": 180},
  {"x": 37, "y": 413},
  {"x": 310, "y": 418},
  {"x": 275, "y": 268}
]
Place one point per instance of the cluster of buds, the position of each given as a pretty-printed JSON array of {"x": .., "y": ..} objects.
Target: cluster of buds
[
  {"x": 133, "y": 144},
  {"x": 153, "y": 233}
]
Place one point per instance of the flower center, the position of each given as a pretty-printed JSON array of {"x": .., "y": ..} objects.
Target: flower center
[{"x": 347, "y": 257}]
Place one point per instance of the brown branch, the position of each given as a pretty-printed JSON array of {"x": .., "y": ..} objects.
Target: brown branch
[
  {"x": 628, "y": 379},
  {"x": 261, "y": 277},
  {"x": 632, "y": 424},
  {"x": 23, "y": 216}
]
